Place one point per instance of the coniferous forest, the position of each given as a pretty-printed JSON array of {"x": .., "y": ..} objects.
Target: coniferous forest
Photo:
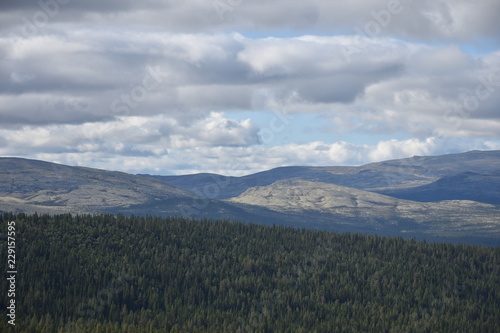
[{"x": 108, "y": 273}]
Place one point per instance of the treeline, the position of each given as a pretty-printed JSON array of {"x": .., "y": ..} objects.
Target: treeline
[{"x": 110, "y": 273}]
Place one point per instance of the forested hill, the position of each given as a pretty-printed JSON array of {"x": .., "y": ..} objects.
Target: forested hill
[{"x": 129, "y": 274}]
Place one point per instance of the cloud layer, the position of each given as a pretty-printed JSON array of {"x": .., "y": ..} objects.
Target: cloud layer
[
  {"x": 166, "y": 84},
  {"x": 427, "y": 20}
]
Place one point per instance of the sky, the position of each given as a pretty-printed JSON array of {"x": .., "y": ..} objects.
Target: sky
[{"x": 240, "y": 86}]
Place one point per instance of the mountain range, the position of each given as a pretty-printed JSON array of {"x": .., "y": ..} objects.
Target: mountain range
[{"x": 451, "y": 198}]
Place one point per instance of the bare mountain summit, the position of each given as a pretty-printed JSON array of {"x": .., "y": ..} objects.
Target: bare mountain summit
[
  {"x": 29, "y": 186},
  {"x": 325, "y": 203},
  {"x": 408, "y": 197},
  {"x": 298, "y": 194}
]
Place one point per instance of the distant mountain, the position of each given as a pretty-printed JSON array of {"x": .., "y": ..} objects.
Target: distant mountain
[
  {"x": 35, "y": 186},
  {"x": 298, "y": 195},
  {"x": 29, "y": 185},
  {"x": 329, "y": 206},
  {"x": 463, "y": 186},
  {"x": 203, "y": 184},
  {"x": 446, "y": 198},
  {"x": 380, "y": 177}
]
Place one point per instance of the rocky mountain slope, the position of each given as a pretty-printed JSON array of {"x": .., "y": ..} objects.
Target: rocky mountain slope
[
  {"x": 29, "y": 185},
  {"x": 357, "y": 210},
  {"x": 463, "y": 186},
  {"x": 35, "y": 186},
  {"x": 382, "y": 177},
  {"x": 450, "y": 197}
]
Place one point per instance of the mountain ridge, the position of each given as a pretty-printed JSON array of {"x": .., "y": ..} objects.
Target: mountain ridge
[
  {"x": 56, "y": 187},
  {"x": 366, "y": 199},
  {"x": 380, "y": 177},
  {"x": 387, "y": 214}
]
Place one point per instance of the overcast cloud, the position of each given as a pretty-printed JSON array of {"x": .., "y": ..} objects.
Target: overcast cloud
[{"x": 171, "y": 88}]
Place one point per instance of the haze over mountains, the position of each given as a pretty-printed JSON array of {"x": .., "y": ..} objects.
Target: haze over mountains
[{"x": 452, "y": 197}]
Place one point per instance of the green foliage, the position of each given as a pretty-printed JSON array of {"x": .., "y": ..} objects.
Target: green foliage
[{"x": 143, "y": 274}]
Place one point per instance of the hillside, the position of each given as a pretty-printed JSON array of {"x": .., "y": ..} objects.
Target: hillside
[
  {"x": 334, "y": 207},
  {"x": 115, "y": 274},
  {"x": 30, "y": 185},
  {"x": 437, "y": 198},
  {"x": 463, "y": 186},
  {"x": 382, "y": 177}
]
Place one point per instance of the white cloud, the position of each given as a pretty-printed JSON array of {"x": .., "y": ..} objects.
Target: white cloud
[
  {"x": 130, "y": 136},
  {"x": 425, "y": 20},
  {"x": 391, "y": 149},
  {"x": 42, "y": 45},
  {"x": 238, "y": 161},
  {"x": 198, "y": 74},
  {"x": 126, "y": 85}
]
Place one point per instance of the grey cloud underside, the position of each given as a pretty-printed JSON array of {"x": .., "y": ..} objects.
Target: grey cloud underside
[
  {"x": 424, "y": 20},
  {"x": 91, "y": 82},
  {"x": 66, "y": 86},
  {"x": 81, "y": 76}
]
